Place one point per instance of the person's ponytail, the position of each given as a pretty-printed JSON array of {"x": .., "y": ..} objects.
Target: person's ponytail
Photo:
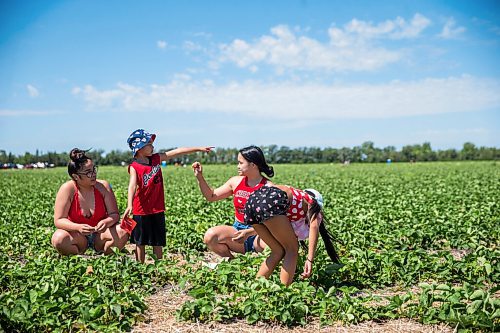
[
  {"x": 268, "y": 170},
  {"x": 312, "y": 213},
  {"x": 328, "y": 241}
]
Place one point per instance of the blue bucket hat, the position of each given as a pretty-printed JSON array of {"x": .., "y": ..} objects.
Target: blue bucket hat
[{"x": 138, "y": 139}]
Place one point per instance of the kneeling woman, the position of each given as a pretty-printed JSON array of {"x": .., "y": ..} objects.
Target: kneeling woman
[
  {"x": 281, "y": 216},
  {"x": 85, "y": 211}
]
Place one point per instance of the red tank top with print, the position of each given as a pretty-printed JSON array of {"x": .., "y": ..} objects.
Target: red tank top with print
[
  {"x": 149, "y": 197},
  {"x": 241, "y": 194},
  {"x": 75, "y": 213},
  {"x": 296, "y": 211}
]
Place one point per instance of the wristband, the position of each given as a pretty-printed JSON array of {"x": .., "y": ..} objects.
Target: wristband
[{"x": 309, "y": 260}]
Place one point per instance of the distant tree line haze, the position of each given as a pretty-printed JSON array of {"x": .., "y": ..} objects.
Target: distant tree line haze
[{"x": 366, "y": 153}]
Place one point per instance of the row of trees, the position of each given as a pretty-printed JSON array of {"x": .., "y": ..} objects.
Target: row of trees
[{"x": 367, "y": 152}]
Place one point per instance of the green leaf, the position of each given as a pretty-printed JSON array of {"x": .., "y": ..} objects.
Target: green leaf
[
  {"x": 117, "y": 309},
  {"x": 477, "y": 294},
  {"x": 443, "y": 287},
  {"x": 474, "y": 306}
]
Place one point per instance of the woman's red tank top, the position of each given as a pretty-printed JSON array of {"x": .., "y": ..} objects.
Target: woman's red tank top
[
  {"x": 75, "y": 211},
  {"x": 241, "y": 194}
]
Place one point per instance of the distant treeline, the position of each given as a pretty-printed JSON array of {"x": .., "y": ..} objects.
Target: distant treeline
[{"x": 367, "y": 152}]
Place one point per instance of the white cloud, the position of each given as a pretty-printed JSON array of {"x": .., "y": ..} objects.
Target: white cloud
[
  {"x": 190, "y": 46},
  {"x": 21, "y": 113},
  {"x": 392, "y": 29},
  {"x": 32, "y": 91},
  {"x": 161, "y": 44},
  {"x": 450, "y": 30},
  {"x": 105, "y": 98},
  {"x": 308, "y": 101},
  {"x": 350, "y": 48}
]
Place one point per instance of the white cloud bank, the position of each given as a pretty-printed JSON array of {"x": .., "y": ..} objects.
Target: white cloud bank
[
  {"x": 350, "y": 48},
  {"x": 306, "y": 101}
]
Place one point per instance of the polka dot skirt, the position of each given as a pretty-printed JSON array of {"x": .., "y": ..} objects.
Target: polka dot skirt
[{"x": 265, "y": 203}]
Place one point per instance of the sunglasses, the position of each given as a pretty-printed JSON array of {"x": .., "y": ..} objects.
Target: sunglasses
[{"x": 90, "y": 173}]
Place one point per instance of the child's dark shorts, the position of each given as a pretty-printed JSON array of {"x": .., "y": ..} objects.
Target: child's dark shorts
[
  {"x": 150, "y": 230},
  {"x": 264, "y": 203}
]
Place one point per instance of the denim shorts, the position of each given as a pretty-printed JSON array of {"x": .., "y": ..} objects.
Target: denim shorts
[
  {"x": 91, "y": 241},
  {"x": 249, "y": 241}
]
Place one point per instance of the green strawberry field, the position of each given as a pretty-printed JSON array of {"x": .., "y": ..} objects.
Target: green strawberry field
[{"x": 428, "y": 232}]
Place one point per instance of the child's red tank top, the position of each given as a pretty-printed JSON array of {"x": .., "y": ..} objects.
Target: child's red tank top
[
  {"x": 75, "y": 211},
  {"x": 149, "y": 197},
  {"x": 241, "y": 194}
]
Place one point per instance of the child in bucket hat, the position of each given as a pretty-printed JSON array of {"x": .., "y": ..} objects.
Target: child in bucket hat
[
  {"x": 139, "y": 139},
  {"x": 146, "y": 199}
]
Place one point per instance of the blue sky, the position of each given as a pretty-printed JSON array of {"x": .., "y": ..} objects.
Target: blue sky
[{"x": 231, "y": 73}]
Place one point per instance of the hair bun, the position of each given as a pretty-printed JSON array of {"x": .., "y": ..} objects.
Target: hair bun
[{"x": 77, "y": 154}]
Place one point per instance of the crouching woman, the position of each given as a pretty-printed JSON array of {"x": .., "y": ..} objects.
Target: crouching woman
[{"x": 85, "y": 211}]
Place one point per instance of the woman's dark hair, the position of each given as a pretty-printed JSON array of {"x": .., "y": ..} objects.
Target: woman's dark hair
[
  {"x": 312, "y": 212},
  {"x": 255, "y": 155},
  {"x": 78, "y": 159}
]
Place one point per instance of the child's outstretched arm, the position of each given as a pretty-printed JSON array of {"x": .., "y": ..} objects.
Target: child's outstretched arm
[
  {"x": 132, "y": 187},
  {"x": 183, "y": 151}
]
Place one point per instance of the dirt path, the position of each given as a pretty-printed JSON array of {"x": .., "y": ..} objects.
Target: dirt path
[{"x": 160, "y": 317}]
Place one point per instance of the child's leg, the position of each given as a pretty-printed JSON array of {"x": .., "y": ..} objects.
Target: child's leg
[
  {"x": 158, "y": 251},
  {"x": 140, "y": 253}
]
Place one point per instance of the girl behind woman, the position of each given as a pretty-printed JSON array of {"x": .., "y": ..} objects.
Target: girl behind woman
[{"x": 281, "y": 216}]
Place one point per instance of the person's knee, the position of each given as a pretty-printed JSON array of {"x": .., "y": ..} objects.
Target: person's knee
[
  {"x": 210, "y": 236},
  {"x": 259, "y": 245},
  {"x": 278, "y": 252},
  {"x": 59, "y": 239},
  {"x": 291, "y": 245}
]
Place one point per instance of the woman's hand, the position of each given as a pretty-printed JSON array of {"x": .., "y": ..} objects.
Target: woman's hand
[
  {"x": 86, "y": 229},
  {"x": 241, "y": 235},
  {"x": 197, "y": 168},
  {"x": 307, "y": 269},
  {"x": 101, "y": 226}
]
